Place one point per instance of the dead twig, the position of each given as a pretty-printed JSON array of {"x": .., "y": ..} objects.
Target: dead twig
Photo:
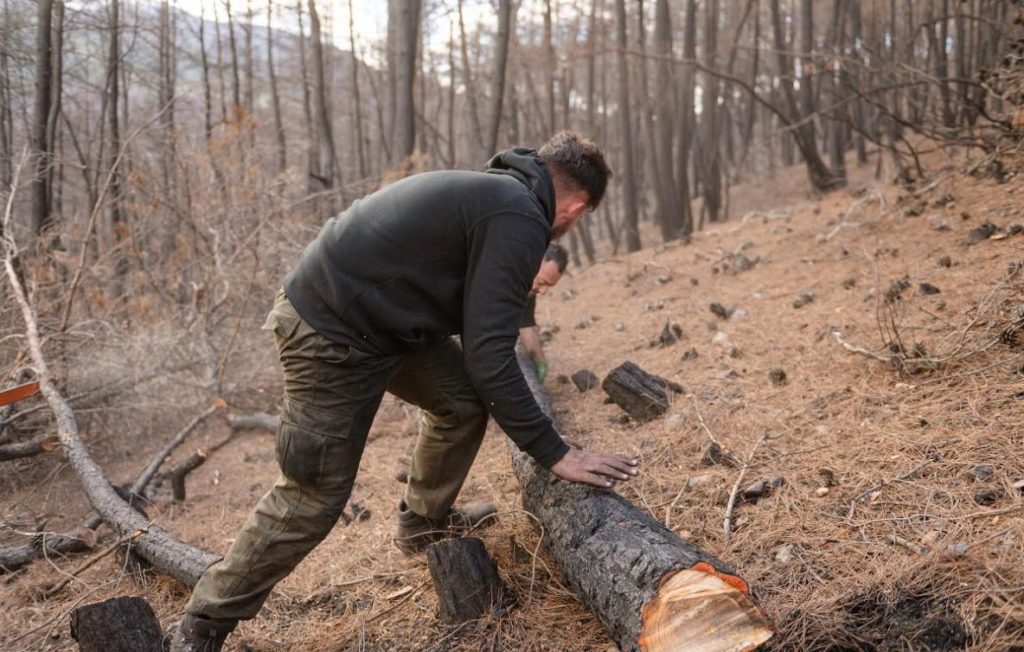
[{"x": 727, "y": 524}]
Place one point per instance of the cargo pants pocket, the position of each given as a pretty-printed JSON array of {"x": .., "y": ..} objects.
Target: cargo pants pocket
[{"x": 315, "y": 447}]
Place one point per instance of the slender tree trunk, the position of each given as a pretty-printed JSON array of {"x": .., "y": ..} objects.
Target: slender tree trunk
[
  {"x": 471, "y": 95},
  {"x": 205, "y": 63},
  {"x": 118, "y": 227},
  {"x": 711, "y": 118},
  {"x": 43, "y": 156},
  {"x": 549, "y": 71},
  {"x": 275, "y": 97},
  {"x": 236, "y": 89},
  {"x": 166, "y": 92},
  {"x": 53, "y": 117},
  {"x": 325, "y": 132},
  {"x": 687, "y": 119},
  {"x": 312, "y": 151},
  {"x": 357, "y": 104},
  {"x": 220, "y": 64},
  {"x": 452, "y": 148},
  {"x": 6, "y": 115},
  {"x": 629, "y": 195},
  {"x": 406, "y": 33},
  {"x": 857, "y": 78},
  {"x": 665, "y": 89},
  {"x": 249, "y": 64},
  {"x": 500, "y": 66}
]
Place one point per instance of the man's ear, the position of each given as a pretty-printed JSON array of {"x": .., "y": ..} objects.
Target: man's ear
[{"x": 577, "y": 204}]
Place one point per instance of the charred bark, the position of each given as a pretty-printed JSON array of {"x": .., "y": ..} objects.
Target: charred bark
[
  {"x": 117, "y": 625},
  {"x": 465, "y": 578}
]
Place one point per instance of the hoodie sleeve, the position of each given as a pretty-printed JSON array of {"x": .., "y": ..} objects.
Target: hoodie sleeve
[{"x": 505, "y": 252}]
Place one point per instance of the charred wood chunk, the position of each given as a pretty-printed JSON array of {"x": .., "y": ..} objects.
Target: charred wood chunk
[
  {"x": 117, "y": 625},
  {"x": 466, "y": 579},
  {"x": 585, "y": 380},
  {"x": 642, "y": 395}
]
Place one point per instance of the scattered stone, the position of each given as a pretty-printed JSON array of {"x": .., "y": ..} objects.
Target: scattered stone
[
  {"x": 988, "y": 496},
  {"x": 982, "y": 472},
  {"x": 784, "y": 554},
  {"x": 777, "y": 377},
  {"x": 655, "y": 305},
  {"x": 720, "y": 311},
  {"x": 694, "y": 281},
  {"x": 939, "y": 224},
  {"x": 1014, "y": 229},
  {"x": 806, "y": 297},
  {"x": 691, "y": 354},
  {"x": 945, "y": 261},
  {"x": 821, "y": 492},
  {"x": 827, "y": 477},
  {"x": 402, "y": 476},
  {"x": 931, "y": 537},
  {"x": 583, "y": 323},
  {"x": 568, "y": 294},
  {"x": 737, "y": 314},
  {"x": 761, "y": 489},
  {"x": 698, "y": 481},
  {"x": 721, "y": 338},
  {"x": 958, "y": 550},
  {"x": 981, "y": 233},
  {"x": 623, "y": 419},
  {"x": 928, "y": 288},
  {"x": 585, "y": 380},
  {"x": 728, "y": 374},
  {"x": 562, "y": 379},
  {"x": 619, "y": 326},
  {"x": 849, "y": 283},
  {"x": 896, "y": 288},
  {"x": 670, "y": 334},
  {"x": 663, "y": 279},
  {"x": 738, "y": 263},
  {"x": 715, "y": 455}
]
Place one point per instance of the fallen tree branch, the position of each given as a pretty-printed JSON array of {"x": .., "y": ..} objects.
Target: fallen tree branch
[
  {"x": 17, "y": 450},
  {"x": 649, "y": 588},
  {"x": 256, "y": 421},
  {"x": 167, "y": 554},
  {"x": 727, "y": 523}
]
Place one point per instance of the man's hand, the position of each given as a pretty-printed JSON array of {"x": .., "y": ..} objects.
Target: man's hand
[
  {"x": 542, "y": 371},
  {"x": 597, "y": 469}
]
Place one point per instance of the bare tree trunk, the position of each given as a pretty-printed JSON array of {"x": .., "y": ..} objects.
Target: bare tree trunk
[
  {"x": 236, "y": 90},
  {"x": 312, "y": 151},
  {"x": 665, "y": 90},
  {"x": 117, "y": 221},
  {"x": 549, "y": 71},
  {"x": 452, "y": 149},
  {"x": 406, "y": 35},
  {"x": 248, "y": 96},
  {"x": 357, "y": 104},
  {"x": 205, "y": 62},
  {"x": 325, "y": 132},
  {"x": 859, "y": 118},
  {"x": 500, "y": 66},
  {"x": 166, "y": 93},
  {"x": 220, "y": 64},
  {"x": 53, "y": 117},
  {"x": 687, "y": 120},
  {"x": 6, "y": 114},
  {"x": 710, "y": 119},
  {"x": 471, "y": 94},
  {"x": 629, "y": 195},
  {"x": 275, "y": 97},
  {"x": 43, "y": 156}
]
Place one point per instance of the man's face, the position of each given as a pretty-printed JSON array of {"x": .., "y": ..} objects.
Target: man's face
[{"x": 546, "y": 278}]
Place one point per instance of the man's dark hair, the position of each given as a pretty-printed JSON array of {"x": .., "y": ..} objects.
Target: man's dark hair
[
  {"x": 557, "y": 253},
  {"x": 577, "y": 162}
]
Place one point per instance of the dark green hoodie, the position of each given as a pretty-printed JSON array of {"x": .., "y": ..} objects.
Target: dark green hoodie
[{"x": 434, "y": 255}]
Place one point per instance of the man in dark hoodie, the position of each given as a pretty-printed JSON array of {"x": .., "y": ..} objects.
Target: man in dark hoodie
[{"x": 371, "y": 308}]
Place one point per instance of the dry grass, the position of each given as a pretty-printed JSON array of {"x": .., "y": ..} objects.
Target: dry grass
[{"x": 823, "y": 563}]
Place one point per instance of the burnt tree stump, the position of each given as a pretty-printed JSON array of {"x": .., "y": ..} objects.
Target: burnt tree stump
[
  {"x": 642, "y": 395},
  {"x": 585, "y": 380},
  {"x": 465, "y": 577},
  {"x": 117, "y": 625}
]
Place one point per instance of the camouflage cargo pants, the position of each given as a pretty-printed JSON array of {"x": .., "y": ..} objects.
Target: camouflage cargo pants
[{"x": 332, "y": 392}]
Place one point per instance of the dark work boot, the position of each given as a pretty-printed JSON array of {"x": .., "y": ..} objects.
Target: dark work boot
[
  {"x": 198, "y": 634},
  {"x": 416, "y": 532}
]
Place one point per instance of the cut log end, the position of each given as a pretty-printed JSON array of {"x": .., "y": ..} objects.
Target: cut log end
[
  {"x": 117, "y": 625},
  {"x": 701, "y": 610},
  {"x": 466, "y": 579}
]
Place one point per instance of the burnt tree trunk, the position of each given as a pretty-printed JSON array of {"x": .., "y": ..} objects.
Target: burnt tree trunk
[
  {"x": 465, "y": 578},
  {"x": 647, "y": 586},
  {"x": 117, "y": 625},
  {"x": 644, "y": 396}
]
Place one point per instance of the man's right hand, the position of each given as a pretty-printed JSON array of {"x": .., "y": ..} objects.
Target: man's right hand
[{"x": 597, "y": 469}]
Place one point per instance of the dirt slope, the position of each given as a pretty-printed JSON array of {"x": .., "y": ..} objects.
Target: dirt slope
[{"x": 934, "y": 455}]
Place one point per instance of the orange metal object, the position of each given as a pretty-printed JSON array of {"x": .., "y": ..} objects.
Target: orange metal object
[{"x": 13, "y": 394}]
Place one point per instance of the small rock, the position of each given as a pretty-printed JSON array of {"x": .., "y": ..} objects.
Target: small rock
[
  {"x": 715, "y": 455},
  {"x": 682, "y": 534},
  {"x": 721, "y": 339},
  {"x": 663, "y": 279},
  {"x": 821, "y": 492},
  {"x": 619, "y": 326},
  {"x": 691, "y": 354},
  {"x": 784, "y": 554},
  {"x": 698, "y": 481},
  {"x": 585, "y": 380},
  {"x": 562, "y": 379},
  {"x": 1015, "y": 228},
  {"x": 849, "y": 283},
  {"x": 931, "y": 537},
  {"x": 827, "y": 477},
  {"x": 777, "y": 377},
  {"x": 582, "y": 324},
  {"x": 623, "y": 419},
  {"x": 928, "y": 288},
  {"x": 655, "y": 305},
  {"x": 988, "y": 496},
  {"x": 982, "y": 472},
  {"x": 728, "y": 374},
  {"x": 737, "y": 314},
  {"x": 806, "y": 297},
  {"x": 720, "y": 311},
  {"x": 957, "y": 550},
  {"x": 756, "y": 490},
  {"x": 568, "y": 294},
  {"x": 980, "y": 233},
  {"x": 402, "y": 476},
  {"x": 1018, "y": 485},
  {"x": 694, "y": 282},
  {"x": 939, "y": 224},
  {"x": 945, "y": 261},
  {"x": 670, "y": 334}
]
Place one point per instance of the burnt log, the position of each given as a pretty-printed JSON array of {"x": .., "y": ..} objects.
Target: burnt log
[
  {"x": 465, "y": 578},
  {"x": 585, "y": 380},
  {"x": 650, "y": 589},
  {"x": 117, "y": 625},
  {"x": 642, "y": 395},
  {"x": 28, "y": 448},
  {"x": 180, "y": 471},
  {"x": 14, "y": 558}
]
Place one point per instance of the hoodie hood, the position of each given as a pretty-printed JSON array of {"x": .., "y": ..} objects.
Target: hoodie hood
[{"x": 525, "y": 165}]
